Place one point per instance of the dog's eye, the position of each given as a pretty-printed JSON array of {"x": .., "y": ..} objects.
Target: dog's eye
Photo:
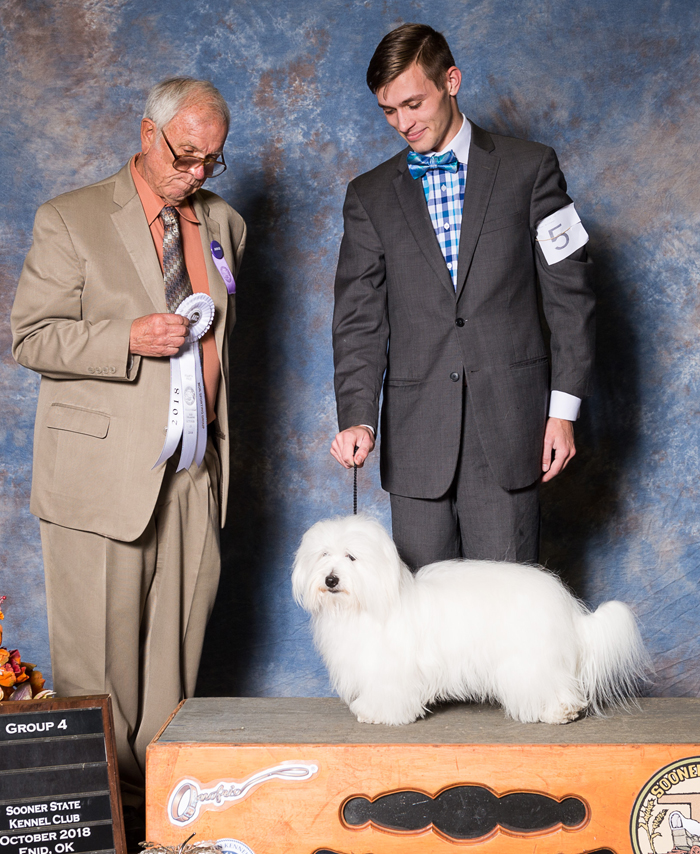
[
  {"x": 350, "y": 556},
  {"x": 324, "y": 554}
]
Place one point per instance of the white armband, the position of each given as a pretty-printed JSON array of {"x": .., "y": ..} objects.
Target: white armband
[{"x": 560, "y": 234}]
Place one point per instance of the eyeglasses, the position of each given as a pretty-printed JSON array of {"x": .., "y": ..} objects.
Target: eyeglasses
[{"x": 184, "y": 162}]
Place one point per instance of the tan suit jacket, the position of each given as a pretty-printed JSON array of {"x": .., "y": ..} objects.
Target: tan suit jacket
[{"x": 101, "y": 416}]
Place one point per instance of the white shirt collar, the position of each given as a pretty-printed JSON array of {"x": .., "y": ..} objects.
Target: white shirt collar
[{"x": 459, "y": 143}]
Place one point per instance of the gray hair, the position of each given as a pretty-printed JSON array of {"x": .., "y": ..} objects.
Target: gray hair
[{"x": 167, "y": 98}]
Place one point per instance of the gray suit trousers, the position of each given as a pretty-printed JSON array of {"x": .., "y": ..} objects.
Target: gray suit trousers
[{"x": 476, "y": 518}]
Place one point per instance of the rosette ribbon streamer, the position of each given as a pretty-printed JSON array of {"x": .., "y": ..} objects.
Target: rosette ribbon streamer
[
  {"x": 217, "y": 256},
  {"x": 187, "y": 414}
]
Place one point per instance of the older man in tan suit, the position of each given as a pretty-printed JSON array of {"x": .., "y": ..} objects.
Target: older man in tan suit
[{"x": 131, "y": 551}]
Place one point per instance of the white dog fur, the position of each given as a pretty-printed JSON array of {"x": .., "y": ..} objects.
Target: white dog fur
[{"x": 394, "y": 642}]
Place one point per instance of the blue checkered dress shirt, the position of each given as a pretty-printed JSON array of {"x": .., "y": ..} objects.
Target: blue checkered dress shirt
[{"x": 444, "y": 193}]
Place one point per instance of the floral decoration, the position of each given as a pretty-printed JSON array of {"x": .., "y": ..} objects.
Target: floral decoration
[{"x": 19, "y": 680}]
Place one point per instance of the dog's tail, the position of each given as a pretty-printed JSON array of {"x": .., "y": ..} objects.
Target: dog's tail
[{"x": 614, "y": 662}]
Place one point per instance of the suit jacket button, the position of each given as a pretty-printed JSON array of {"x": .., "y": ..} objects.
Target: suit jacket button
[
  {"x": 91, "y": 370},
  {"x": 460, "y": 321},
  {"x": 454, "y": 376}
]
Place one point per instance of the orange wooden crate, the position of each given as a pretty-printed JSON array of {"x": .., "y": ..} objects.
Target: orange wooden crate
[{"x": 627, "y": 773}]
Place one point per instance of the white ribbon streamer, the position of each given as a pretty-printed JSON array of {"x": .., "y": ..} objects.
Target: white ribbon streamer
[{"x": 188, "y": 411}]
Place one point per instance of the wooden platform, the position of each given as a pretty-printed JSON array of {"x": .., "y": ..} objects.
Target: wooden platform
[{"x": 303, "y": 776}]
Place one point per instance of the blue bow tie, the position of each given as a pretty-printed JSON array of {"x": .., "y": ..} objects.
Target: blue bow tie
[{"x": 418, "y": 164}]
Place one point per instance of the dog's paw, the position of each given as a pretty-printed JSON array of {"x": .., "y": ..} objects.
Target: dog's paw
[
  {"x": 365, "y": 714},
  {"x": 563, "y": 714},
  {"x": 370, "y": 713},
  {"x": 368, "y": 720}
]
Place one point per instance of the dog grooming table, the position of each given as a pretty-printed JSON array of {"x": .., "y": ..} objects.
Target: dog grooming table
[{"x": 271, "y": 776}]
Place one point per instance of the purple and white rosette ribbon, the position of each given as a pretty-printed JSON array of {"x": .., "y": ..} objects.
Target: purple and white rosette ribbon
[
  {"x": 217, "y": 256},
  {"x": 188, "y": 409}
]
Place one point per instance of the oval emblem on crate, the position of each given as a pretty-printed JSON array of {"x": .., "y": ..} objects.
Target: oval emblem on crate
[
  {"x": 234, "y": 846},
  {"x": 666, "y": 813}
]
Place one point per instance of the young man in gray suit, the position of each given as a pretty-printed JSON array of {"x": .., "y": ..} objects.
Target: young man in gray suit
[{"x": 448, "y": 247}]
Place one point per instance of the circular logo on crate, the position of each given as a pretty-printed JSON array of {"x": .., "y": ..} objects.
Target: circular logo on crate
[
  {"x": 666, "y": 813},
  {"x": 233, "y": 846}
]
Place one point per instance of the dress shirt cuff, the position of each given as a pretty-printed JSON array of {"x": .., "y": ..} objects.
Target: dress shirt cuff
[
  {"x": 371, "y": 429},
  {"x": 563, "y": 405},
  {"x": 132, "y": 366}
]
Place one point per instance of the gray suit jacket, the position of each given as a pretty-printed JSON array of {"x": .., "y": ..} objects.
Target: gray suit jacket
[
  {"x": 399, "y": 327},
  {"x": 101, "y": 416}
]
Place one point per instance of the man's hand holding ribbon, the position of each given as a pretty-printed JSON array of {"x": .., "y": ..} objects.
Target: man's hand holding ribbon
[{"x": 158, "y": 334}]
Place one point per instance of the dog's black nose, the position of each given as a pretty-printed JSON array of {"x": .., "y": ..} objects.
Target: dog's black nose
[{"x": 332, "y": 581}]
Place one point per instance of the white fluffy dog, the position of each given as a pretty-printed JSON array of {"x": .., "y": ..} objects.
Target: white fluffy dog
[{"x": 394, "y": 642}]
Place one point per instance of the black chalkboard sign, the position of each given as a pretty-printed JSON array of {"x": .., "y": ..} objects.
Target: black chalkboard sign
[{"x": 59, "y": 785}]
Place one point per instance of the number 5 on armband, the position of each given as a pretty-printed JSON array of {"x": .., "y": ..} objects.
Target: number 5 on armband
[{"x": 560, "y": 234}]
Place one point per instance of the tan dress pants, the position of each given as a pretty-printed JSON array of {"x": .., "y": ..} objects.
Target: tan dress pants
[{"x": 128, "y": 619}]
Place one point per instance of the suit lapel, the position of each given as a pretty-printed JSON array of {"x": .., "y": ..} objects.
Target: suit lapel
[
  {"x": 217, "y": 288},
  {"x": 414, "y": 207},
  {"x": 132, "y": 226},
  {"x": 481, "y": 174}
]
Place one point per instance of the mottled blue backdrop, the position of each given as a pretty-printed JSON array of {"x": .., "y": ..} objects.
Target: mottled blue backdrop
[{"x": 614, "y": 87}]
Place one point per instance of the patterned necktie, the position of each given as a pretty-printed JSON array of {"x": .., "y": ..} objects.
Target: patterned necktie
[
  {"x": 177, "y": 281},
  {"x": 419, "y": 164}
]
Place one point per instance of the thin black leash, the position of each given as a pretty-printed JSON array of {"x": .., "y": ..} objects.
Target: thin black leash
[{"x": 354, "y": 486}]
